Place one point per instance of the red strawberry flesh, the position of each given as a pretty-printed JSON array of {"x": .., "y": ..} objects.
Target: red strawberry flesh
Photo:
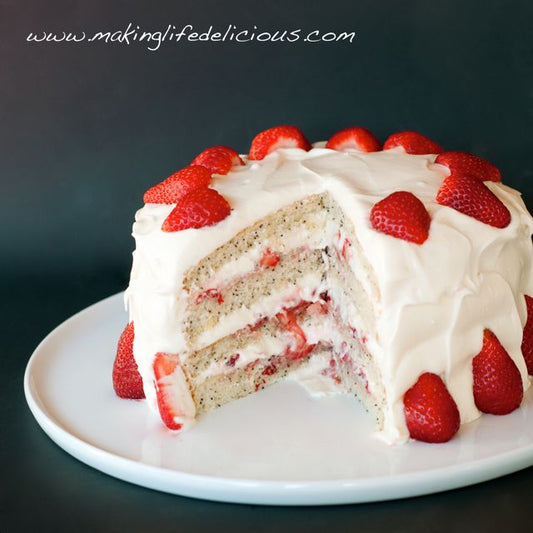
[
  {"x": 300, "y": 347},
  {"x": 218, "y": 159},
  {"x": 201, "y": 207},
  {"x": 354, "y": 138},
  {"x": 473, "y": 198},
  {"x": 269, "y": 258},
  {"x": 497, "y": 381},
  {"x": 469, "y": 164},
  {"x": 167, "y": 375},
  {"x": 401, "y": 215},
  {"x": 179, "y": 184},
  {"x": 431, "y": 413},
  {"x": 274, "y": 138},
  {"x": 527, "y": 339},
  {"x": 412, "y": 142},
  {"x": 127, "y": 381}
]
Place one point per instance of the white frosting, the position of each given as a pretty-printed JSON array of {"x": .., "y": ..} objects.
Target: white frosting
[{"x": 435, "y": 299}]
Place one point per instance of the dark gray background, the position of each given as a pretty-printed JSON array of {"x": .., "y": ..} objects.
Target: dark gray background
[{"x": 85, "y": 129}]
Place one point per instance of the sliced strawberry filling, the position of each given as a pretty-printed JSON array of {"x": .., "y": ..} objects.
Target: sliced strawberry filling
[
  {"x": 331, "y": 372},
  {"x": 299, "y": 348},
  {"x": 232, "y": 360},
  {"x": 269, "y": 258},
  {"x": 212, "y": 293}
]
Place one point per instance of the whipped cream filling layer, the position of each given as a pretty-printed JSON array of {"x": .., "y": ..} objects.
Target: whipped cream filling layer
[{"x": 434, "y": 301}]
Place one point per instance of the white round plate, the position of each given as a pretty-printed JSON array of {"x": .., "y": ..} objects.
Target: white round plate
[{"x": 280, "y": 446}]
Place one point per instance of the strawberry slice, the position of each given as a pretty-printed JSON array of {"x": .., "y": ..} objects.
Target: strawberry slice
[
  {"x": 401, "y": 215},
  {"x": 169, "y": 381},
  {"x": 412, "y": 142},
  {"x": 431, "y": 413},
  {"x": 301, "y": 348},
  {"x": 527, "y": 339},
  {"x": 201, "y": 207},
  {"x": 176, "y": 186},
  {"x": 497, "y": 382},
  {"x": 473, "y": 198},
  {"x": 269, "y": 370},
  {"x": 269, "y": 258},
  {"x": 127, "y": 381},
  {"x": 354, "y": 138},
  {"x": 212, "y": 293},
  {"x": 274, "y": 138},
  {"x": 469, "y": 164},
  {"x": 218, "y": 159}
]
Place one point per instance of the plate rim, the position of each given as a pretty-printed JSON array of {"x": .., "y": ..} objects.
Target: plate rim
[{"x": 257, "y": 491}]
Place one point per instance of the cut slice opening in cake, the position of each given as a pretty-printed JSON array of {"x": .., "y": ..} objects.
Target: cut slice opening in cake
[{"x": 304, "y": 310}]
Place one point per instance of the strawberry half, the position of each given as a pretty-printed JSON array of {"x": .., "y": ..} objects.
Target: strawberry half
[
  {"x": 413, "y": 143},
  {"x": 431, "y": 413},
  {"x": 127, "y": 381},
  {"x": 169, "y": 379},
  {"x": 218, "y": 159},
  {"x": 497, "y": 382},
  {"x": 279, "y": 137},
  {"x": 176, "y": 186},
  {"x": 354, "y": 139},
  {"x": 469, "y": 164},
  {"x": 473, "y": 198},
  {"x": 527, "y": 339},
  {"x": 401, "y": 215},
  {"x": 199, "y": 208}
]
